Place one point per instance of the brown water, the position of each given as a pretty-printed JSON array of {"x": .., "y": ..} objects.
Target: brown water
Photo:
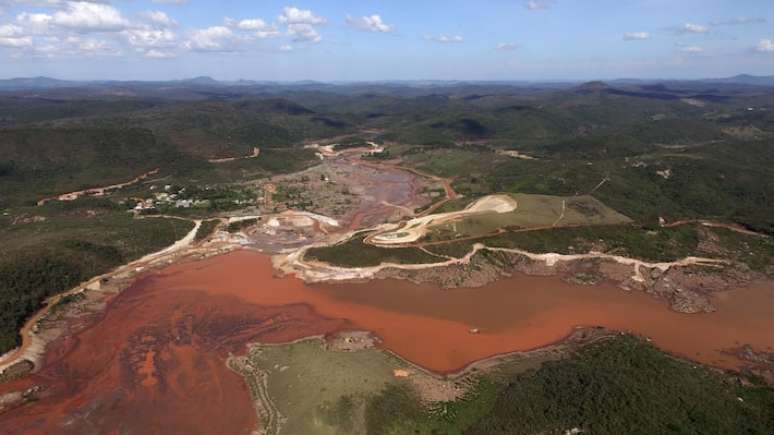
[
  {"x": 430, "y": 326},
  {"x": 154, "y": 361}
]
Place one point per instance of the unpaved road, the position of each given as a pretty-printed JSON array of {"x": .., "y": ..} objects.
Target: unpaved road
[
  {"x": 315, "y": 271},
  {"x": 256, "y": 152},
  {"x": 197, "y": 329},
  {"x": 97, "y": 190},
  {"x": 708, "y": 223}
]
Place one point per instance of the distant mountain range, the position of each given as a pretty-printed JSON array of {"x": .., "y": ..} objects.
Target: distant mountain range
[
  {"x": 33, "y": 83},
  {"x": 746, "y": 79}
]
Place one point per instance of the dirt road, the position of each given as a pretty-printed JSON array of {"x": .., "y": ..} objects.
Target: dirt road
[
  {"x": 256, "y": 152},
  {"x": 97, "y": 191}
]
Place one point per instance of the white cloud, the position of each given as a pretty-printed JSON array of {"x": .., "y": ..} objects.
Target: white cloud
[
  {"x": 93, "y": 47},
  {"x": 53, "y": 46},
  {"x": 251, "y": 24},
  {"x": 7, "y": 30},
  {"x": 260, "y": 27},
  {"x": 538, "y": 5},
  {"x": 158, "y": 18},
  {"x": 370, "y": 23},
  {"x": 269, "y": 32},
  {"x": 293, "y": 15},
  {"x": 84, "y": 16},
  {"x": 636, "y": 36},
  {"x": 692, "y": 28},
  {"x": 286, "y": 48},
  {"x": 304, "y": 32},
  {"x": 11, "y": 36},
  {"x": 216, "y": 38},
  {"x": 36, "y": 24},
  {"x": 765, "y": 46},
  {"x": 301, "y": 24},
  {"x": 62, "y": 32},
  {"x": 22, "y": 42},
  {"x": 507, "y": 46},
  {"x": 692, "y": 49},
  {"x": 146, "y": 37},
  {"x": 446, "y": 39}
]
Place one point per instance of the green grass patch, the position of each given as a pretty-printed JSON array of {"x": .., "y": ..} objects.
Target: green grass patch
[
  {"x": 322, "y": 391},
  {"x": 662, "y": 244},
  {"x": 355, "y": 253},
  {"x": 206, "y": 229},
  {"x": 532, "y": 211},
  {"x": 235, "y": 227}
]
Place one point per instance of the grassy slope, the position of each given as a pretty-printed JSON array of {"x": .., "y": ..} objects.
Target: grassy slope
[
  {"x": 534, "y": 211},
  {"x": 354, "y": 253},
  {"x": 631, "y": 241},
  {"x": 39, "y": 162},
  {"x": 322, "y": 391},
  {"x": 206, "y": 229}
]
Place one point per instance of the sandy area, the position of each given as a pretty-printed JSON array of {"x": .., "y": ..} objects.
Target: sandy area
[{"x": 416, "y": 228}]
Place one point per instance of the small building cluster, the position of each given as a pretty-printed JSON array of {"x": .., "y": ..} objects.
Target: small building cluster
[{"x": 168, "y": 199}]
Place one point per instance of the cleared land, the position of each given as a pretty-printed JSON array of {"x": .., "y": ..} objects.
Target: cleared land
[
  {"x": 312, "y": 390},
  {"x": 356, "y": 194},
  {"x": 497, "y": 213}
]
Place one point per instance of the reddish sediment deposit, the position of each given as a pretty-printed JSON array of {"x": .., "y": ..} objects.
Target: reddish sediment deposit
[{"x": 154, "y": 362}]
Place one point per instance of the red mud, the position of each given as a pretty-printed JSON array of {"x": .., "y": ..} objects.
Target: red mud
[
  {"x": 155, "y": 362},
  {"x": 388, "y": 187}
]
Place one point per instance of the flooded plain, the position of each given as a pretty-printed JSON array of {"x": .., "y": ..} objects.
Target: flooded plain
[
  {"x": 159, "y": 349},
  {"x": 432, "y": 327}
]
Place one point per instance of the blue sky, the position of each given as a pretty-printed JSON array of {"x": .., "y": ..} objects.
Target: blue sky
[{"x": 386, "y": 40}]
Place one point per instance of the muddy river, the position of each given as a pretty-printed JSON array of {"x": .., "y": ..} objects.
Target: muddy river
[
  {"x": 154, "y": 360},
  {"x": 431, "y": 327}
]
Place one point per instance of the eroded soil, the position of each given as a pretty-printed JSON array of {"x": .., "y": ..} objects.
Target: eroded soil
[{"x": 357, "y": 194}]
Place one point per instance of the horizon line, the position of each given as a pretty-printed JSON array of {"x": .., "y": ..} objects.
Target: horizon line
[{"x": 365, "y": 81}]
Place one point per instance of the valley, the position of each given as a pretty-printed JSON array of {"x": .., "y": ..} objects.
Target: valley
[{"x": 383, "y": 269}]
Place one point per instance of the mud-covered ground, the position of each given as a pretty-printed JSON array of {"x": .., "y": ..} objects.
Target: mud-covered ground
[
  {"x": 149, "y": 356},
  {"x": 154, "y": 362},
  {"x": 355, "y": 194}
]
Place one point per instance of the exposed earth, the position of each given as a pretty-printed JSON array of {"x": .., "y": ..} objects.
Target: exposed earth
[{"x": 203, "y": 336}]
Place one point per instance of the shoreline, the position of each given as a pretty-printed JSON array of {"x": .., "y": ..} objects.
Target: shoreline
[
  {"x": 184, "y": 250},
  {"x": 515, "y": 355},
  {"x": 33, "y": 346},
  {"x": 293, "y": 263}
]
